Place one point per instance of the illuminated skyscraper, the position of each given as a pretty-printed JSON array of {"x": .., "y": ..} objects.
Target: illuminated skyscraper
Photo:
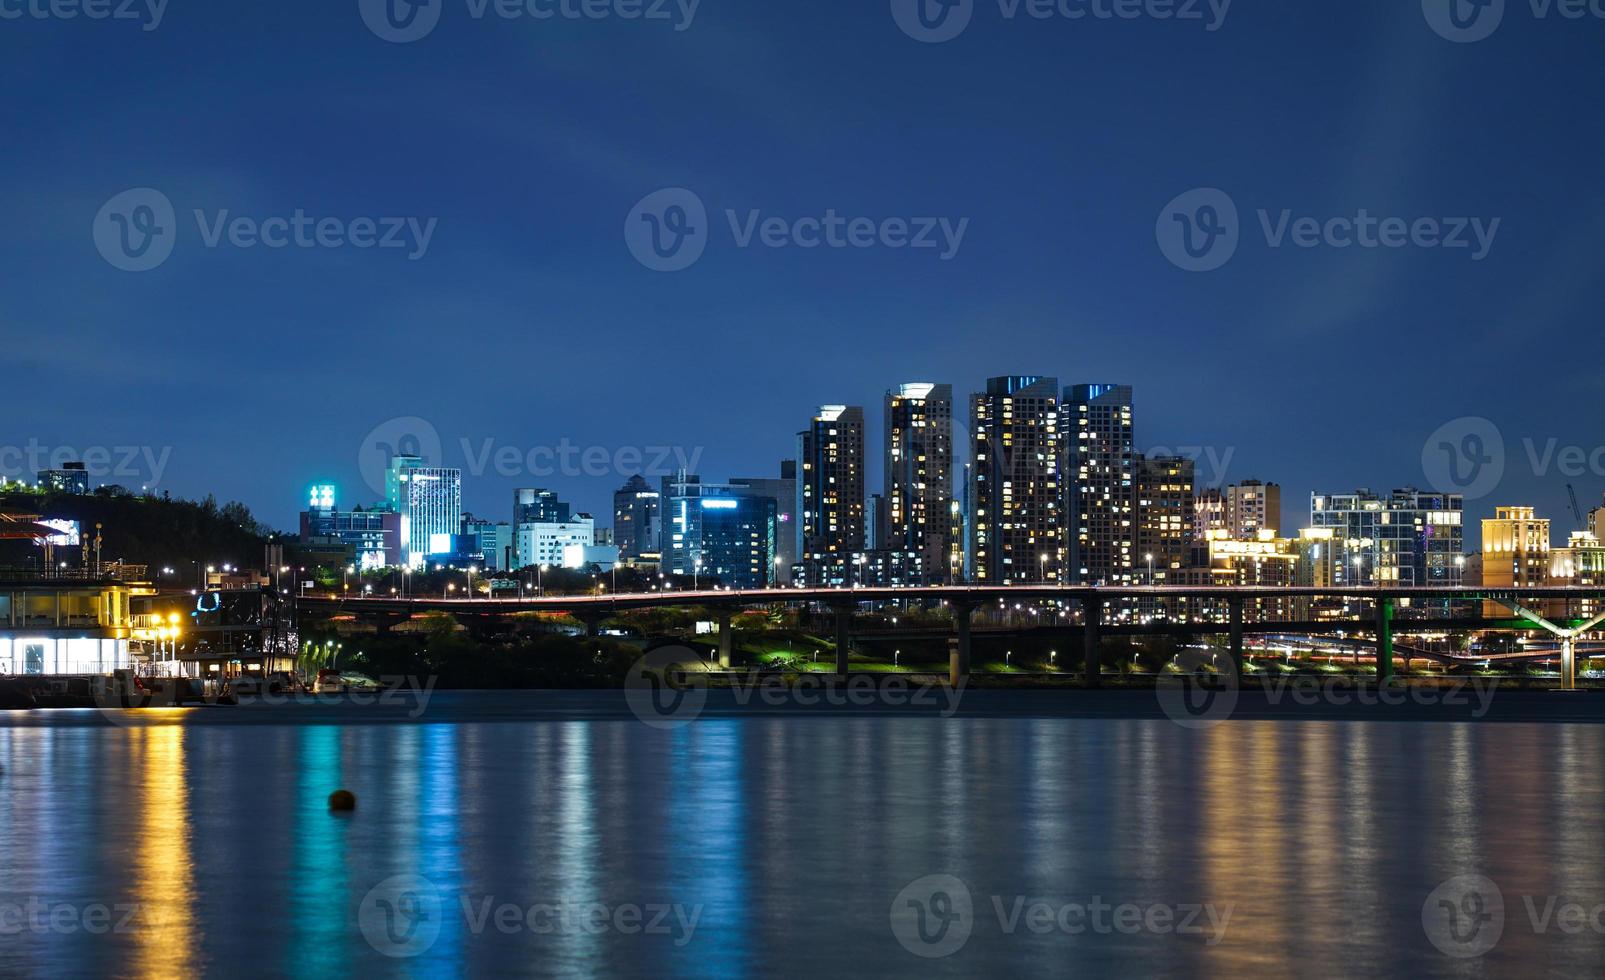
[
  {"x": 918, "y": 499},
  {"x": 830, "y": 493},
  {"x": 1101, "y": 484},
  {"x": 637, "y": 516},
  {"x": 1015, "y": 529},
  {"x": 1164, "y": 517},
  {"x": 430, "y": 502},
  {"x": 719, "y": 532}
]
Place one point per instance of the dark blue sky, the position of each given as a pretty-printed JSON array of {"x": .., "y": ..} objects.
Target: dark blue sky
[{"x": 528, "y": 323}]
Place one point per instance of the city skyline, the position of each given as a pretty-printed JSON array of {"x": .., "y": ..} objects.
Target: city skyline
[
  {"x": 1062, "y": 276},
  {"x": 727, "y": 489},
  {"x": 589, "y": 488}
]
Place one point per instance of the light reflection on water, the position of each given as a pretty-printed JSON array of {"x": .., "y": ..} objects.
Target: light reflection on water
[{"x": 789, "y": 838}]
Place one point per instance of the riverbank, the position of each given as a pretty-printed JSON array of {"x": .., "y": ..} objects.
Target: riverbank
[{"x": 858, "y": 696}]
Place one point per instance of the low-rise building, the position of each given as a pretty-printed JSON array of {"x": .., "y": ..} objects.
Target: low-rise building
[
  {"x": 70, "y": 478},
  {"x": 65, "y": 625}
]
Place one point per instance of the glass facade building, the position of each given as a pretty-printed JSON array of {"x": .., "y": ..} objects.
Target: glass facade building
[
  {"x": 717, "y": 531},
  {"x": 430, "y": 502},
  {"x": 1409, "y": 537}
]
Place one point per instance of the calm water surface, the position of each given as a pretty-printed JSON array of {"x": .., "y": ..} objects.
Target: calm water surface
[{"x": 780, "y": 846}]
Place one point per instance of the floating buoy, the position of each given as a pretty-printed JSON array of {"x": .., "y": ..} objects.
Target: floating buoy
[{"x": 342, "y": 799}]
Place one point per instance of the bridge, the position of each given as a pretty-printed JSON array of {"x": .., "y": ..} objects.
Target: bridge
[{"x": 1582, "y": 609}]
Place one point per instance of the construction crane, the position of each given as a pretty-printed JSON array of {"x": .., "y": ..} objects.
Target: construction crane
[{"x": 1577, "y": 512}]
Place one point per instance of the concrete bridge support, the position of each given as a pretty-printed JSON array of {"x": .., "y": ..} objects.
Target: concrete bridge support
[
  {"x": 844, "y": 619},
  {"x": 384, "y": 624},
  {"x": 1567, "y": 638},
  {"x": 959, "y": 654},
  {"x": 1384, "y": 641},
  {"x": 727, "y": 639},
  {"x": 1092, "y": 655},
  {"x": 1235, "y": 609}
]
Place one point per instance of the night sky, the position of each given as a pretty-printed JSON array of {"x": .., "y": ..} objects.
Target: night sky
[{"x": 524, "y": 145}]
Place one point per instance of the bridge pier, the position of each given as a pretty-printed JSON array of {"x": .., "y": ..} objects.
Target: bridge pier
[
  {"x": 593, "y": 622},
  {"x": 1092, "y": 655},
  {"x": 1235, "y": 608},
  {"x": 382, "y": 625},
  {"x": 727, "y": 638},
  {"x": 844, "y": 619},
  {"x": 1384, "y": 641},
  {"x": 959, "y": 654}
]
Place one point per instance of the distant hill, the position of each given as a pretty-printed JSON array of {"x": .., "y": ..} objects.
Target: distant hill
[{"x": 155, "y": 531}]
